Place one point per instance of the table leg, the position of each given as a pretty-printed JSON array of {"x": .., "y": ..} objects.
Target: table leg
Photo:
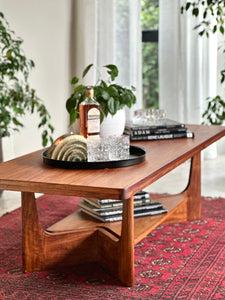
[
  {"x": 32, "y": 235},
  {"x": 190, "y": 209},
  {"x": 43, "y": 250},
  {"x": 193, "y": 189},
  {"x": 116, "y": 253},
  {"x": 126, "y": 255}
]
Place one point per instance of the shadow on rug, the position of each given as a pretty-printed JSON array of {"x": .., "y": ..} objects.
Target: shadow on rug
[{"x": 179, "y": 261}]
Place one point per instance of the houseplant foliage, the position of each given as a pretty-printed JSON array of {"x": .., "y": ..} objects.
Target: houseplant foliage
[
  {"x": 17, "y": 98},
  {"x": 212, "y": 13},
  {"x": 111, "y": 96}
]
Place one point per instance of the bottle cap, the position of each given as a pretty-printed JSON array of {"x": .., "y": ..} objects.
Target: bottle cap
[{"x": 89, "y": 92}]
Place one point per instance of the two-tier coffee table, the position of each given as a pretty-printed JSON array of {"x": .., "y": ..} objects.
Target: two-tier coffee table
[{"x": 79, "y": 238}]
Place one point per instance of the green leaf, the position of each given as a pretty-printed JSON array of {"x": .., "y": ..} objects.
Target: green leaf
[
  {"x": 195, "y": 11},
  {"x": 103, "y": 84},
  {"x": 73, "y": 116},
  {"x": 70, "y": 104},
  {"x": 18, "y": 110},
  {"x": 105, "y": 95},
  {"x": 43, "y": 122},
  {"x": 44, "y": 138},
  {"x": 101, "y": 116},
  {"x": 32, "y": 64},
  {"x": 113, "y": 71},
  {"x": 80, "y": 87},
  {"x": 205, "y": 14},
  {"x": 51, "y": 140},
  {"x": 197, "y": 26},
  {"x": 222, "y": 29},
  {"x": 16, "y": 122},
  {"x": 44, "y": 133},
  {"x": 9, "y": 54},
  {"x": 86, "y": 70},
  {"x": 114, "y": 90},
  {"x": 74, "y": 80},
  {"x": 51, "y": 128},
  {"x": 188, "y": 4},
  {"x": 112, "y": 106}
]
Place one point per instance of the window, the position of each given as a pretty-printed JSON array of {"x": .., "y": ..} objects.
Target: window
[{"x": 150, "y": 24}]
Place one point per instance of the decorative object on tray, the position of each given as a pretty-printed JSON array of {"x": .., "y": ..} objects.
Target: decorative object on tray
[
  {"x": 68, "y": 147},
  {"x": 75, "y": 148},
  {"x": 137, "y": 155},
  {"x": 112, "y": 97},
  {"x": 145, "y": 127},
  {"x": 108, "y": 210},
  {"x": 108, "y": 149}
]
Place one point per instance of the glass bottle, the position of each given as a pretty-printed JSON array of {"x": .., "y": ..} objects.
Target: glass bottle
[{"x": 89, "y": 111}]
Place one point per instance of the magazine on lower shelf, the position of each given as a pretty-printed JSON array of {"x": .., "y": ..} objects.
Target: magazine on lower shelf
[
  {"x": 110, "y": 211},
  {"x": 118, "y": 217},
  {"x": 141, "y": 197}
]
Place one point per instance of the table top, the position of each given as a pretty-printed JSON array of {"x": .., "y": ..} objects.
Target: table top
[{"x": 28, "y": 173}]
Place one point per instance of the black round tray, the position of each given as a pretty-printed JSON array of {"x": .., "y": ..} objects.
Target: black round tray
[{"x": 137, "y": 155}]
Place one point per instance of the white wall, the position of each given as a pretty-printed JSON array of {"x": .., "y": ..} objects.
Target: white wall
[{"x": 44, "y": 25}]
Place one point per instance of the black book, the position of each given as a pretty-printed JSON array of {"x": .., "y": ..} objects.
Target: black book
[
  {"x": 166, "y": 126},
  {"x": 112, "y": 211},
  {"x": 166, "y": 136},
  {"x": 118, "y": 217},
  {"x": 139, "y": 198},
  {"x": 148, "y": 131}
]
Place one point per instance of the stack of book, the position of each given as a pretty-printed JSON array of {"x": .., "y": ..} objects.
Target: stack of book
[
  {"x": 167, "y": 129},
  {"x": 108, "y": 210}
]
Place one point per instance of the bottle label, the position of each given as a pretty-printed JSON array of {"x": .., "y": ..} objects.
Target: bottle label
[{"x": 93, "y": 126}]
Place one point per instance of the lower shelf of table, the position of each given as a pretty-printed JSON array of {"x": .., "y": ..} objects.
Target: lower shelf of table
[{"x": 79, "y": 221}]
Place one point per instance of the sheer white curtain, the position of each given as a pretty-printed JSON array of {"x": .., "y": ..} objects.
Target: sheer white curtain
[
  {"x": 187, "y": 64},
  {"x": 107, "y": 32}
]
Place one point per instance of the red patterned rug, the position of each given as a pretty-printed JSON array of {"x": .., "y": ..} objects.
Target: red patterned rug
[{"x": 178, "y": 261}]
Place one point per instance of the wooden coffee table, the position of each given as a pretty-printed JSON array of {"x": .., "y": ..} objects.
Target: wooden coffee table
[{"x": 79, "y": 238}]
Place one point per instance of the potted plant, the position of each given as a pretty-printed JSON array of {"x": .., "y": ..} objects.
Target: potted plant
[
  {"x": 17, "y": 98},
  {"x": 213, "y": 20},
  {"x": 111, "y": 96},
  {"x": 214, "y": 114}
]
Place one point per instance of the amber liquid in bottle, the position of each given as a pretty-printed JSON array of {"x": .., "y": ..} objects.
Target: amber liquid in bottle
[{"x": 89, "y": 111}]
